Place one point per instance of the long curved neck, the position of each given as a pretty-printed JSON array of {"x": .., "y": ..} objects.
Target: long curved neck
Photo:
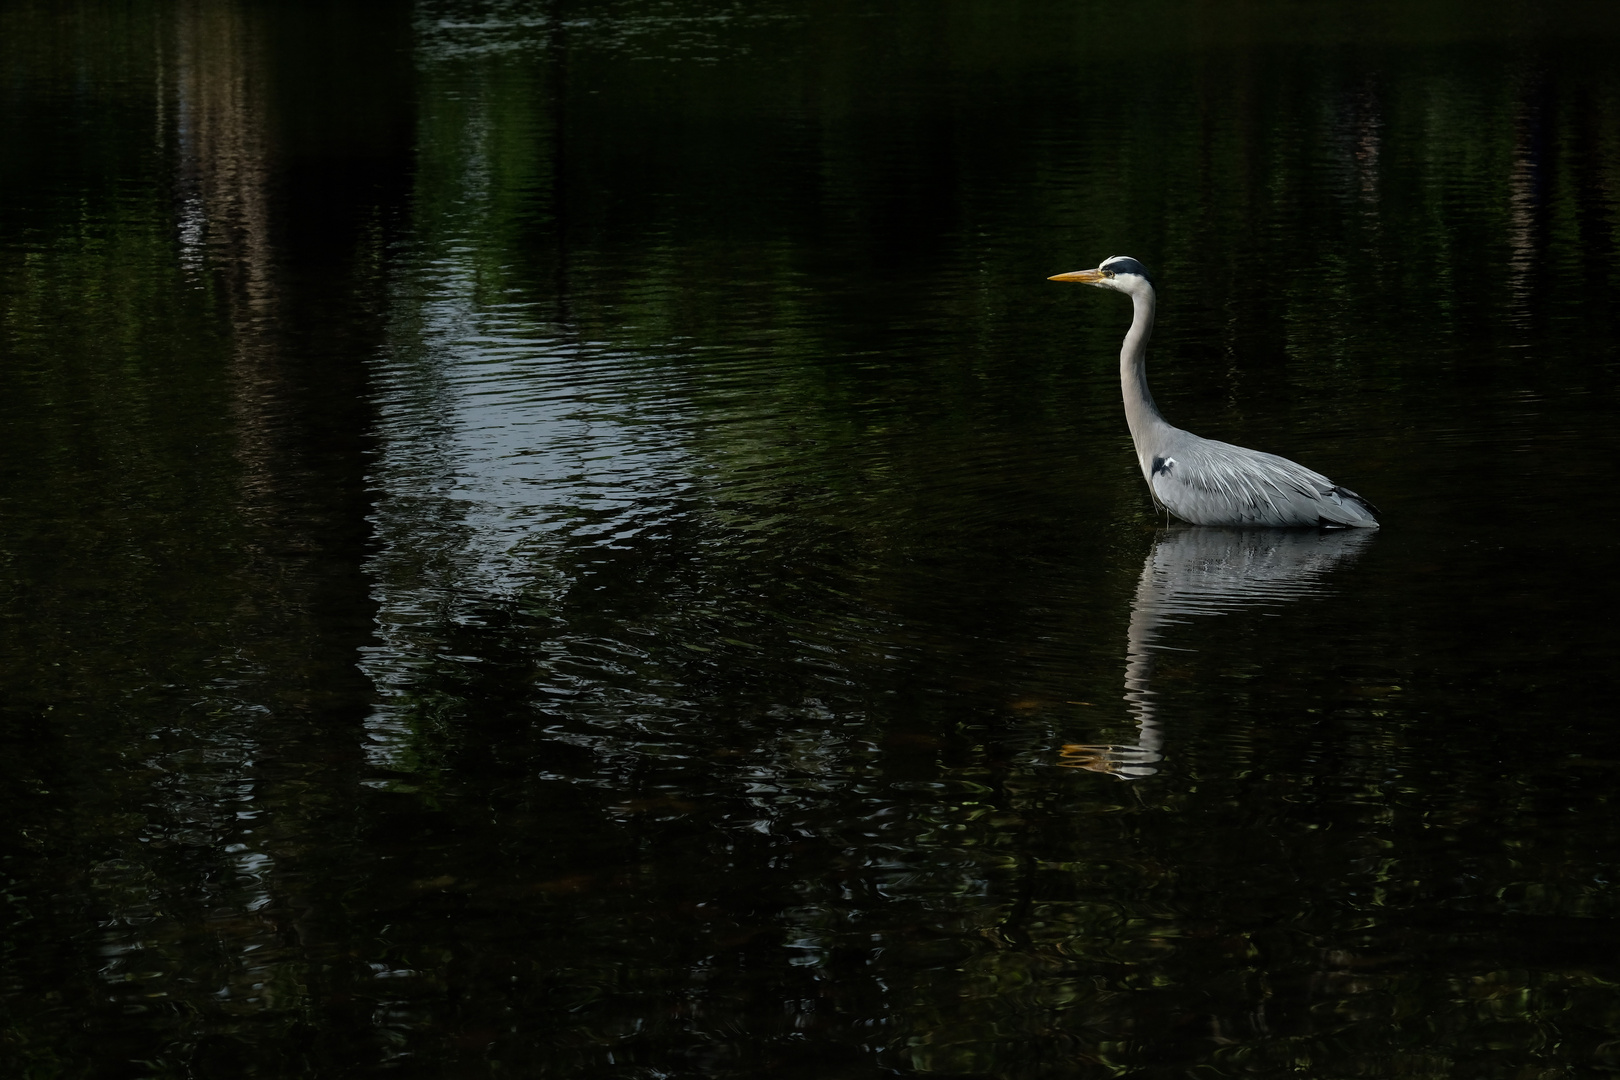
[{"x": 1140, "y": 411}]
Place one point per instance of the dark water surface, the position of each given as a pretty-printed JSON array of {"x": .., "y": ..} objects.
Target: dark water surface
[{"x": 575, "y": 540}]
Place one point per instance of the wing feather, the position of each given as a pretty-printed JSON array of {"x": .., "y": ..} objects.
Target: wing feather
[{"x": 1215, "y": 483}]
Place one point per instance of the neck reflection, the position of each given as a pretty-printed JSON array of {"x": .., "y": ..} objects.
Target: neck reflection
[{"x": 1195, "y": 571}]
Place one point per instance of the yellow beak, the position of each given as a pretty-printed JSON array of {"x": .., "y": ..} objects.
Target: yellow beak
[{"x": 1084, "y": 277}]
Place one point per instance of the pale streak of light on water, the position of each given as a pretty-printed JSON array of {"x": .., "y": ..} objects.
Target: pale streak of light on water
[
  {"x": 497, "y": 438},
  {"x": 448, "y": 32}
]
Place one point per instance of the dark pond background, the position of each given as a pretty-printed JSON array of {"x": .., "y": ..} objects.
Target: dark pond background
[{"x": 575, "y": 539}]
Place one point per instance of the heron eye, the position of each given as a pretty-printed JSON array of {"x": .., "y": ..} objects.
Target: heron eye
[{"x": 1108, "y": 273}]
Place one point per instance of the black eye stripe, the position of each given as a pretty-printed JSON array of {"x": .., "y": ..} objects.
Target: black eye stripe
[{"x": 1125, "y": 265}]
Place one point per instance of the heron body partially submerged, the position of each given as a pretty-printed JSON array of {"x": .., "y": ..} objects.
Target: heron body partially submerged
[{"x": 1200, "y": 480}]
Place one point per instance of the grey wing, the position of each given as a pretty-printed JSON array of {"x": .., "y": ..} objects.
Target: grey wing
[{"x": 1215, "y": 483}]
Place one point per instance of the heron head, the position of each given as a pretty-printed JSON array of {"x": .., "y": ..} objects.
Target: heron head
[{"x": 1120, "y": 273}]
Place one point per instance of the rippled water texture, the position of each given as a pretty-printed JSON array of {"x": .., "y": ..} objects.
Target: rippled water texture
[{"x": 576, "y": 540}]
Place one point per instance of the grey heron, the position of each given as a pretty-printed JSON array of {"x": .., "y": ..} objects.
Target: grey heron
[{"x": 1200, "y": 480}]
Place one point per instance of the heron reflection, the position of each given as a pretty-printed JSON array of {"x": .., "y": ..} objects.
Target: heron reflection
[{"x": 1206, "y": 571}]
